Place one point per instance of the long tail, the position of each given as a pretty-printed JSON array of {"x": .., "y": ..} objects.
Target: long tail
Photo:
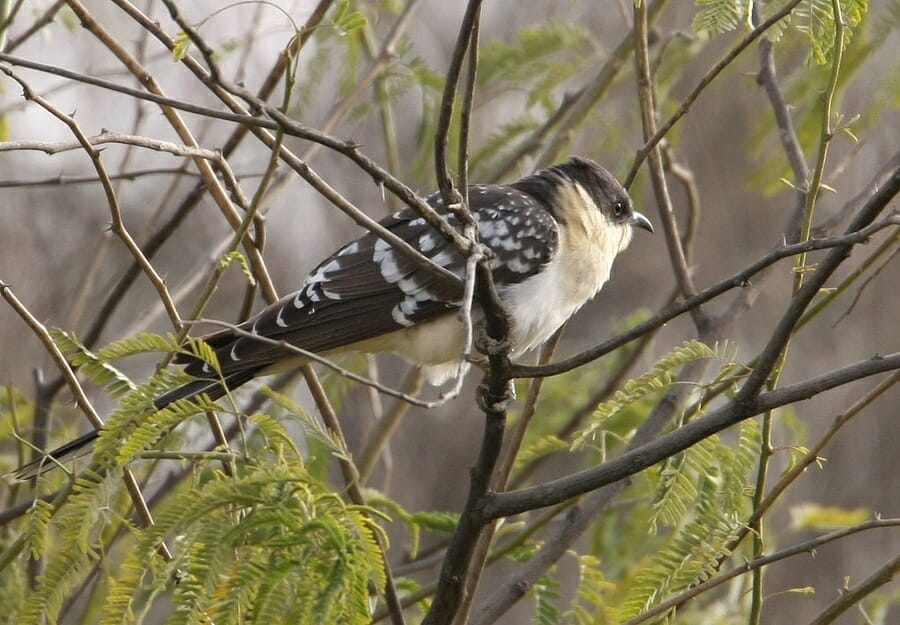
[
  {"x": 76, "y": 448},
  {"x": 84, "y": 444}
]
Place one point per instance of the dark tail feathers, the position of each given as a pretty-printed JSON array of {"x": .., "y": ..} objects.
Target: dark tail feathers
[{"x": 84, "y": 444}]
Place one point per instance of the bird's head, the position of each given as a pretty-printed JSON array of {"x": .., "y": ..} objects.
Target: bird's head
[{"x": 585, "y": 196}]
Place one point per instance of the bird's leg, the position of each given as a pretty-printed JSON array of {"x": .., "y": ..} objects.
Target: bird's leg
[{"x": 487, "y": 345}]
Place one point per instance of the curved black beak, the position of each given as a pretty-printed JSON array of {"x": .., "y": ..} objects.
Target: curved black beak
[{"x": 639, "y": 221}]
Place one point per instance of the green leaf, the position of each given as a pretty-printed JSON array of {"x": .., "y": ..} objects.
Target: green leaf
[
  {"x": 808, "y": 516},
  {"x": 92, "y": 365},
  {"x": 345, "y": 21},
  {"x": 239, "y": 258},
  {"x": 182, "y": 45},
  {"x": 658, "y": 378},
  {"x": 444, "y": 522},
  {"x": 720, "y": 16}
]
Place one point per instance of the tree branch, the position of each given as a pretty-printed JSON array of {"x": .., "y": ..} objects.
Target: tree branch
[{"x": 636, "y": 460}]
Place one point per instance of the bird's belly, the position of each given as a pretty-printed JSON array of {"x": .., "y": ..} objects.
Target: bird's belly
[{"x": 435, "y": 345}]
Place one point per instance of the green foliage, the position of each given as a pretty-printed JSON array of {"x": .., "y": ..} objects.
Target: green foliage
[
  {"x": 720, "y": 16},
  {"x": 502, "y": 141},
  {"x": 345, "y": 20},
  {"x": 140, "y": 344},
  {"x": 313, "y": 428},
  {"x": 236, "y": 256},
  {"x": 97, "y": 369},
  {"x": 546, "y": 595},
  {"x": 36, "y": 529},
  {"x": 816, "y": 19},
  {"x": 415, "y": 522},
  {"x": 590, "y": 592},
  {"x": 182, "y": 45},
  {"x": 809, "y": 515},
  {"x": 540, "y": 59},
  {"x": 689, "y": 556},
  {"x": 271, "y": 540},
  {"x": 657, "y": 378}
]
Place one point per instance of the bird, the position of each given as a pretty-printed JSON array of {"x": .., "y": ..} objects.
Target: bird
[{"x": 553, "y": 236}]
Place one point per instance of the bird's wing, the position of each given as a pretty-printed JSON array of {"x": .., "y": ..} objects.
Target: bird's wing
[{"x": 367, "y": 289}]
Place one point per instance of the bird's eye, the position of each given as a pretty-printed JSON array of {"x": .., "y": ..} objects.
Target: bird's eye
[{"x": 619, "y": 209}]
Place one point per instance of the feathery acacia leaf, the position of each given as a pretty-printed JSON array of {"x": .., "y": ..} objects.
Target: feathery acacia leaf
[
  {"x": 720, "y": 16},
  {"x": 656, "y": 379},
  {"x": 90, "y": 364}
]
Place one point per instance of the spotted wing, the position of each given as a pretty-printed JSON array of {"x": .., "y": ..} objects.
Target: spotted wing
[{"x": 367, "y": 289}]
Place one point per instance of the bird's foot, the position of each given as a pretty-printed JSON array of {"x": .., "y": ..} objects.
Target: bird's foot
[
  {"x": 488, "y": 345},
  {"x": 493, "y": 402}
]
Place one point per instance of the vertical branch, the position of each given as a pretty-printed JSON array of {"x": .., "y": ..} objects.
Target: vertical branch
[
  {"x": 827, "y": 134},
  {"x": 445, "y": 117},
  {"x": 501, "y": 478},
  {"x": 767, "y": 78},
  {"x": 465, "y": 118},
  {"x": 660, "y": 187},
  {"x": 811, "y": 195},
  {"x": 704, "y": 82}
]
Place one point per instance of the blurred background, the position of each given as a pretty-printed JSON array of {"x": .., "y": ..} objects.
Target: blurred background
[{"x": 57, "y": 254}]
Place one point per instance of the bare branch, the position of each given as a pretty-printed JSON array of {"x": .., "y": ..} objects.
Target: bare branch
[
  {"x": 881, "y": 576},
  {"x": 711, "y": 75}
]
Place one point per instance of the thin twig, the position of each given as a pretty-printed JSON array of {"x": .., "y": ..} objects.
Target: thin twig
[
  {"x": 660, "y": 187},
  {"x": 215, "y": 188},
  {"x": 386, "y": 426},
  {"x": 104, "y": 138},
  {"x": 851, "y": 596},
  {"x": 707, "y": 78},
  {"x": 586, "y": 100},
  {"x": 43, "y": 19},
  {"x": 806, "y": 547}
]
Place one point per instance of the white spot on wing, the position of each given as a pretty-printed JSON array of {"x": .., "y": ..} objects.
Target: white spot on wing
[
  {"x": 518, "y": 266},
  {"x": 400, "y": 318},
  {"x": 387, "y": 263},
  {"x": 409, "y": 285},
  {"x": 409, "y": 305},
  {"x": 233, "y": 353},
  {"x": 331, "y": 294},
  {"x": 444, "y": 258},
  {"x": 353, "y": 248},
  {"x": 279, "y": 321},
  {"x": 427, "y": 242}
]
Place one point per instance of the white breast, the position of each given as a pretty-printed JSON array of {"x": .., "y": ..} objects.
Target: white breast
[{"x": 539, "y": 305}]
